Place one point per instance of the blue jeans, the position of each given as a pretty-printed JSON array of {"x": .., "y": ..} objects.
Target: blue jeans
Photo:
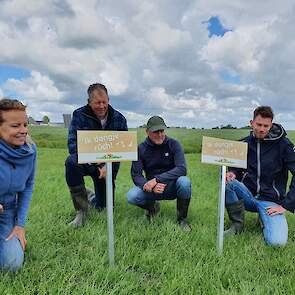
[
  {"x": 11, "y": 252},
  {"x": 275, "y": 228},
  {"x": 181, "y": 188},
  {"x": 75, "y": 177}
]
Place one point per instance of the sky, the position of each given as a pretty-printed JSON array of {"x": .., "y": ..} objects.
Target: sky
[{"x": 199, "y": 64}]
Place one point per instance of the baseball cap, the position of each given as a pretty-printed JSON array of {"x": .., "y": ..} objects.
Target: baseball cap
[{"x": 155, "y": 123}]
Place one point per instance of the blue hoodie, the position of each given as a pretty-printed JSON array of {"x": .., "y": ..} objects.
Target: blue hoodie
[{"x": 17, "y": 170}]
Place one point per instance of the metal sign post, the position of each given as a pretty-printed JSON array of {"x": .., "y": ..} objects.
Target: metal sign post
[
  {"x": 96, "y": 146},
  {"x": 224, "y": 153},
  {"x": 221, "y": 203},
  {"x": 110, "y": 205}
]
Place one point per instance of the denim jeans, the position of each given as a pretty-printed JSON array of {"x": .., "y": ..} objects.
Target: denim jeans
[
  {"x": 275, "y": 228},
  {"x": 11, "y": 252},
  {"x": 75, "y": 177},
  {"x": 181, "y": 188}
]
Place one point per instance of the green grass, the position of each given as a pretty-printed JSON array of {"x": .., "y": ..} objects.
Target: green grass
[{"x": 150, "y": 259}]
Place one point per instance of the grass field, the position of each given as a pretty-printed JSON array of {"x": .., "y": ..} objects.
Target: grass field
[{"x": 150, "y": 259}]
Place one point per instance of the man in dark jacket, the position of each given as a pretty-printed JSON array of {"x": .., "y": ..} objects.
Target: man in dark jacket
[
  {"x": 262, "y": 186},
  {"x": 96, "y": 115},
  {"x": 162, "y": 160}
]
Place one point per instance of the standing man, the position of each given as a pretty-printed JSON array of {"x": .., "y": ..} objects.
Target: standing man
[
  {"x": 162, "y": 160},
  {"x": 96, "y": 115},
  {"x": 262, "y": 186}
]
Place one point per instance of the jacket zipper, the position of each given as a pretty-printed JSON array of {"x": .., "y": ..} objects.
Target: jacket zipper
[
  {"x": 258, "y": 168},
  {"x": 244, "y": 176},
  {"x": 276, "y": 190}
]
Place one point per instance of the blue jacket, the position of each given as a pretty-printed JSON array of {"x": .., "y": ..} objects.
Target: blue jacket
[
  {"x": 17, "y": 170},
  {"x": 85, "y": 119},
  {"x": 165, "y": 162},
  {"x": 269, "y": 161}
]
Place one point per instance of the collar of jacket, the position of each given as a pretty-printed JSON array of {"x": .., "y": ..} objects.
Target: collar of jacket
[
  {"x": 89, "y": 113},
  {"x": 275, "y": 133}
]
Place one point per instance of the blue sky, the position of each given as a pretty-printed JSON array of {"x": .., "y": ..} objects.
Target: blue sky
[
  {"x": 10, "y": 71},
  {"x": 215, "y": 27}
]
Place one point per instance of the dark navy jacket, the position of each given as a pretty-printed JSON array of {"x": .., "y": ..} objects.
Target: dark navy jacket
[
  {"x": 85, "y": 119},
  {"x": 269, "y": 161},
  {"x": 165, "y": 162}
]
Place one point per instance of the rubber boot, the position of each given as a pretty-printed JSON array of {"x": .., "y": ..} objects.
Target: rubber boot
[
  {"x": 152, "y": 209},
  {"x": 90, "y": 197},
  {"x": 182, "y": 209},
  {"x": 79, "y": 197},
  {"x": 236, "y": 214}
]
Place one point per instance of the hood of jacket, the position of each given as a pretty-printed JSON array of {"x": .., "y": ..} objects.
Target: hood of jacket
[
  {"x": 15, "y": 155},
  {"x": 276, "y": 132}
]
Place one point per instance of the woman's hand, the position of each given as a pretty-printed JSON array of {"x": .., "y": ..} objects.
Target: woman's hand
[
  {"x": 1, "y": 208},
  {"x": 19, "y": 232}
]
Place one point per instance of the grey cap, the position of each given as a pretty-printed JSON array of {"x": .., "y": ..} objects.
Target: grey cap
[{"x": 155, "y": 123}]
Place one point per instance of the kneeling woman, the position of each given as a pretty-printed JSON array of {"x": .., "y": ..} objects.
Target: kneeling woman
[{"x": 17, "y": 167}]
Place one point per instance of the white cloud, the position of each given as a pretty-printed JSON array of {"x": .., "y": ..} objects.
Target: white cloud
[
  {"x": 154, "y": 57},
  {"x": 36, "y": 88}
]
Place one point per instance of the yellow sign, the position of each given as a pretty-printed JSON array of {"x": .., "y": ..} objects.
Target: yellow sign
[
  {"x": 224, "y": 152},
  {"x": 106, "y": 146}
]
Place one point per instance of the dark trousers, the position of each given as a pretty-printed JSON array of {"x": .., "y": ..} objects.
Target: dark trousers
[{"x": 75, "y": 177}]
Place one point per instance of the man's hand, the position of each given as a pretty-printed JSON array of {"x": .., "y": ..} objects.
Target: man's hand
[
  {"x": 18, "y": 232},
  {"x": 148, "y": 187},
  {"x": 1, "y": 208},
  {"x": 159, "y": 188},
  {"x": 229, "y": 176},
  {"x": 275, "y": 210},
  {"x": 102, "y": 172}
]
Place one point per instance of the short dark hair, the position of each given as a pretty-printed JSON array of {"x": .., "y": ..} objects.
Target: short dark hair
[
  {"x": 7, "y": 104},
  {"x": 264, "y": 112},
  {"x": 98, "y": 87}
]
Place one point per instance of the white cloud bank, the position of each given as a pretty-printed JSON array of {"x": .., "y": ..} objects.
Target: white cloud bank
[{"x": 154, "y": 57}]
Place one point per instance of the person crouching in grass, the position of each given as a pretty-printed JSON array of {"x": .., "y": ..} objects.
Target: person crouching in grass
[{"x": 162, "y": 160}]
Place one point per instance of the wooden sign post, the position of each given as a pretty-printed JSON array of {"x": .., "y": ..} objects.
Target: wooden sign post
[
  {"x": 224, "y": 153},
  {"x": 107, "y": 147}
]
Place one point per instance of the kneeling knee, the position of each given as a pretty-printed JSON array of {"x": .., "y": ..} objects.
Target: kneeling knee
[
  {"x": 12, "y": 263},
  {"x": 183, "y": 185},
  {"x": 276, "y": 242},
  {"x": 131, "y": 196},
  {"x": 71, "y": 161}
]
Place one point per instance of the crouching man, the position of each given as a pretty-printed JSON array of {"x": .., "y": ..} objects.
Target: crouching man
[
  {"x": 98, "y": 114},
  {"x": 162, "y": 160},
  {"x": 262, "y": 186}
]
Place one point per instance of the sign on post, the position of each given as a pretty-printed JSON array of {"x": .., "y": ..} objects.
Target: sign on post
[
  {"x": 107, "y": 147},
  {"x": 224, "y": 153}
]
